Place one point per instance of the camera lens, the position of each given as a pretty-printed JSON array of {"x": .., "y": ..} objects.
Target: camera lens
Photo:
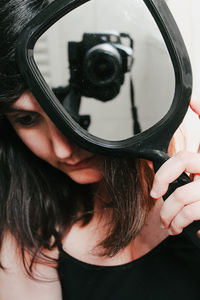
[
  {"x": 103, "y": 68},
  {"x": 102, "y": 64}
]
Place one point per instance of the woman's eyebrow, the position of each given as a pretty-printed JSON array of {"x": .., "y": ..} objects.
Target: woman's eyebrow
[{"x": 18, "y": 110}]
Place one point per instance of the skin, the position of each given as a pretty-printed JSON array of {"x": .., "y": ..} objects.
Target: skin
[
  {"x": 182, "y": 207},
  {"x": 16, "y": 285},
  {"x": 43, "y": 138},
  {"x": 169, "y": 217}
]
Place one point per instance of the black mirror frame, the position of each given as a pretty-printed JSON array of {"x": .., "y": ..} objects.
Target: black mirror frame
[{"x": 147, "y": 144}]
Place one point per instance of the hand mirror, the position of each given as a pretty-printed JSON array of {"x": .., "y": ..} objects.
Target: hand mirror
[{"x": 114, "y": 76}]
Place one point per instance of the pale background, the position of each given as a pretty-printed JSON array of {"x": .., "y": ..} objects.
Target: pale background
[{"x": 187, "y": 16}]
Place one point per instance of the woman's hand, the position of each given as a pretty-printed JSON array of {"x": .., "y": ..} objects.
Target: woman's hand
[
  {"x": 195, "y": 106},
  {"x": 182, "y": 207}
]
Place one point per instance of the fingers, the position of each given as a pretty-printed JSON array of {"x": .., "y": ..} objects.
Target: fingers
[
  {"x": 188, "y": 214},
  {"x": 172, "y": 169},
  {"x": 182, "y": 207},
  {"x": 195, "y": 106},
  {"x": 179, "y": 202}
]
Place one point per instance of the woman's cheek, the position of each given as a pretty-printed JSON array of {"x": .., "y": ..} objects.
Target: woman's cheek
[{"x": 37, "y": 143}]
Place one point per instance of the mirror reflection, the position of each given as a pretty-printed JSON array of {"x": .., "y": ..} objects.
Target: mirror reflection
[{"x": 111, "y": 71}]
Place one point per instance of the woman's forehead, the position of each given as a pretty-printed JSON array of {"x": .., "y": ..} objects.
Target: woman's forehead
[{"x": 26, "y": 102}]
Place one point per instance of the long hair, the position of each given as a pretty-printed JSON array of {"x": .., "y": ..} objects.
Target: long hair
[{"x": 38, "y": 202}]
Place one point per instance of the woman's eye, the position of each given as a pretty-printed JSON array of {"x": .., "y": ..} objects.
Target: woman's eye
[{"x": 27, "y": 120}]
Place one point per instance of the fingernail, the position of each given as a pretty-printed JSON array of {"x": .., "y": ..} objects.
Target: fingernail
[
  {"x": 154, "y": 194},
  {"x": 170, "y": 232},
  {"x": 162, "y": 226}
]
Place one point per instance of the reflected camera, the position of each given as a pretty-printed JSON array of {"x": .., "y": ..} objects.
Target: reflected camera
[{"x": 98, "y": 64}]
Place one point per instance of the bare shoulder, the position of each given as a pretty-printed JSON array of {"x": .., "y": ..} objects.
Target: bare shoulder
[{"x": 16, "y": 284}]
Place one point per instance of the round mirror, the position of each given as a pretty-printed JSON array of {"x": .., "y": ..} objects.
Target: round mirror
[{"x": 109, "y": 67}]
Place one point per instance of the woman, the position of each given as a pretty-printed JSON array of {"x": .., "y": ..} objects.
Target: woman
[{"x": 83, "y": 226}]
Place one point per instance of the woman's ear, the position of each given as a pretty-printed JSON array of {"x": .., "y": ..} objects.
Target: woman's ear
[{"x": 150, "y": 164}]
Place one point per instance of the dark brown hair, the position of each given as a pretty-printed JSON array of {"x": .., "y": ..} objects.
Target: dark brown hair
[{"x": 36, "y": 200}]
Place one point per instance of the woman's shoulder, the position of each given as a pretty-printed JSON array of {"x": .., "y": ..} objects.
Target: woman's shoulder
[{"x": 17, "y": 284}]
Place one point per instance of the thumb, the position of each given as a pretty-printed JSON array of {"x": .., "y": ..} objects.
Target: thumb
[{"x": 195, "y": 106}]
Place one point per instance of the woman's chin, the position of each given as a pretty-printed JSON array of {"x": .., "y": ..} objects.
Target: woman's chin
[{"x": 85, "y": 176}]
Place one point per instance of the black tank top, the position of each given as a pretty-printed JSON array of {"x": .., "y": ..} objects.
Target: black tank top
[{"x": 171, "y": 271}]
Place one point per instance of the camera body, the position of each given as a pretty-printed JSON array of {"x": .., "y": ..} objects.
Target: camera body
[{"x": 98, "y": 64}]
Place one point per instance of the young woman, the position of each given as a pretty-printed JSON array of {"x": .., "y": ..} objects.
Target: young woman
[{"x": 75, "y": 225}]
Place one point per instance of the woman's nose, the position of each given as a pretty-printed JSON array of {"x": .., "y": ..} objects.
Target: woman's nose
[{"x": 61, "y": 146}]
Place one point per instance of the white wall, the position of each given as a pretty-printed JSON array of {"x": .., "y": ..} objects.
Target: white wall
[{"x": 187, "y": 16}]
